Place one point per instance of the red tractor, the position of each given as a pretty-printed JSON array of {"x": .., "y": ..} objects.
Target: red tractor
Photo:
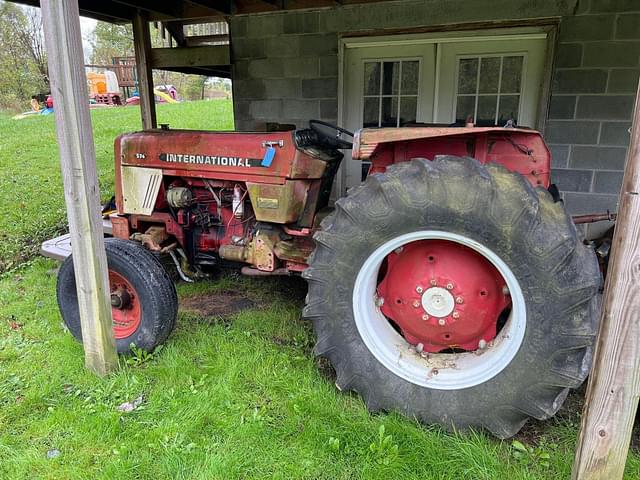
[{"x": 451, "y": 285}]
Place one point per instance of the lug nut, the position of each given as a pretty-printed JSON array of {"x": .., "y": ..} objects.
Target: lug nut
[
  {"x": 505, "y": 290},
  {"x": 459, "y": 300},
  {"x": 419, "y": 289},
  {"x": 433, "y": 282},
  {"x": 441, "y": 322},
  {"x": 416, "y": 303},
  {"x": 455, "y": 315},
  {"x": 379, "y": 301},
  {"x": 419, "y": 348},
  {"x": 425, "y": 317},
  {"x": 449, "y": 286},
  {"x": 481, "y": 344},
  {"x": 398, "y": 250}
]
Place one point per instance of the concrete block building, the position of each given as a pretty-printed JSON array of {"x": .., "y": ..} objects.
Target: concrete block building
[{"x": 569, "y": 68}]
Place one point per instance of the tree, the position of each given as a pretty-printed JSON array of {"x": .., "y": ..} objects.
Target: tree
[
  {"x": 111, "y": 40},
  {"x": 32, "y": 39},
  {"x": 23, "y": 61}
]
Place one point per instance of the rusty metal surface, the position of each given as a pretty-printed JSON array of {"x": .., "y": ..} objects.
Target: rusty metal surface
[
  {"x": 595, "y": 217},
  {"x": 278, "y": 203},
  {"x": 219, "y": 155},
  {"x": 519, "y": 150},
  {"x": 295, "y": 250},
  {"x": 369, "y": 136}
]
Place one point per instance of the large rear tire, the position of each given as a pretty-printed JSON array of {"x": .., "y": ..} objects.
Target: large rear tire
[
  {"x": 482, "y": 213},
  {"x": 143, "y": 297}
]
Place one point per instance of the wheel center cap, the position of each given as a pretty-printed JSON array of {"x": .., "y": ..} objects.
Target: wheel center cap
[{"x": 438, "y": 302}]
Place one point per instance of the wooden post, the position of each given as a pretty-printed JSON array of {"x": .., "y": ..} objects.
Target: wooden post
[
  {"x": 142, "y": 47},
  {"x": 78, "y": 161},
  {"x": 614, "y": 384}
]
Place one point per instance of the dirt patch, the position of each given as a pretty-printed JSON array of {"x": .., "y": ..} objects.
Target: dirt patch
[
  {"x": 326, "y": 369},
  {"x": 216, "y": 305}
]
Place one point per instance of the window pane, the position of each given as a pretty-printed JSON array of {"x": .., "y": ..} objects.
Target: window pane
[
  {"x": 370, "y": 113},
  {"x": 486, "y": 111},
  {"x": 408, "y": 109},
  {"x": 372, "y": 78},
  {"x": 467, "y": 75},
  {"x": 465, "y": 107},
  {"x": 511, "y": 74},
  {"x": 390, "y": 78},
  {"x": 410, "y": 74},
  {"x": 389, "y": 112},
  {"x": 489, "y": 74},
  {"x": 508, "y": 110}
]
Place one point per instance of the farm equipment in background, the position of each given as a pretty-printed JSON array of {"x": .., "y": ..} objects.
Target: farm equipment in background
[{"x": 451, "y": 285}]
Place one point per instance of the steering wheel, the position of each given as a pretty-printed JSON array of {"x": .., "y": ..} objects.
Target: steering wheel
[{"x": 331, "y": 134}]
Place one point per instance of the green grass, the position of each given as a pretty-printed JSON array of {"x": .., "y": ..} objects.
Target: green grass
[{"x": 239, "y": 397}]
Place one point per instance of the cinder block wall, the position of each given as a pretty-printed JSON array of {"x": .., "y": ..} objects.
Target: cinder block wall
[
  {"x": 597, "y": 66},
  {"x": 286, "y": 70}
]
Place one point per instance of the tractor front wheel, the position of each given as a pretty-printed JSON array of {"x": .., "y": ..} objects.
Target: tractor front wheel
[
  {"x": 144, "y": 303},
  {"x": 456, "y": 293}
]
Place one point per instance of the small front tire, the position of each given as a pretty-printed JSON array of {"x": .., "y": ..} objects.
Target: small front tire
[{"x": 143, "y": 297}]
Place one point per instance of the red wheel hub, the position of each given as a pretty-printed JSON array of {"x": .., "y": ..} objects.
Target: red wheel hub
[
  {"x": 442, "y": 295},
  {"x": 125, "y": 306}
]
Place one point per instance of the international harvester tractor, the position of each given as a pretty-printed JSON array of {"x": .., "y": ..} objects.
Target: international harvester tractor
[{"x": 451, "y": 285}]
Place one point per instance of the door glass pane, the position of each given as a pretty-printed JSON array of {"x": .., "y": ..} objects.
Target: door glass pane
[
  {"x": 466, "y": 106},
  {"x": 408, "y": 108},
  {"x": 371, "y": 110},
  {"x": 508, "y": 110},
  {"x": 489, "y": 75},
  {"x": 467, "y": 75},
  {"x": 389, "y": 112},
  {"x": 496, "y": 94},
  {"x": 511, "y": 74},
  {"x": 372, "y": 78},
  {"x": 486, "y": 115},
  {"x": 390, "y": 93},
  {"x": 390, "y": 78},
  {"x": 410, "y": 77}
]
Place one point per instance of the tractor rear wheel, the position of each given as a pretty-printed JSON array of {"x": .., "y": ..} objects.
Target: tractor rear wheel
[
  {"x": 455, "y": 293},
  {"x": 144, "y": 303}
]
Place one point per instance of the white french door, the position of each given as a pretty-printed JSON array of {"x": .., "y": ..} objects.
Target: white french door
[{"x": 489, "y": 79}]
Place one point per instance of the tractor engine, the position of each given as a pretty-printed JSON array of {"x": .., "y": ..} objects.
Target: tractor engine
[
  {"x": 219, "y": 199},
  {"x": 209, "y": 214}
]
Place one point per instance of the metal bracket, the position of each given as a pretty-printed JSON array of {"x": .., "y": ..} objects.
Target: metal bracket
[{"x": 279, "y": 143}]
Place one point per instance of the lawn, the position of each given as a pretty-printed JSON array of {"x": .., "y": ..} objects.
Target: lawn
[{"x": 228, "y": 396}]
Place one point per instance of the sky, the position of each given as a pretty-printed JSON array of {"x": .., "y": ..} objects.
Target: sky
[{"x": 87, "y": 26}]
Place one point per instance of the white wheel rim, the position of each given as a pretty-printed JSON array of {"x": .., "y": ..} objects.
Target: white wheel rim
[{"x": 441, "y": 371}]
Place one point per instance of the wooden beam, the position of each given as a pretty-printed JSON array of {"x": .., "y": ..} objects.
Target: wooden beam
[
  {"x": 614, "y": 385},
  {"x": 205, "y": 56},
  {"x": 254, "y": 6},
  {"x": 199, "y": 40},
  {"x": 223, "y": 6},
  {"x": 142, "y": 47},
  {"x": 176, "y": 30},
  {"x": 78, "y": 162},
  {"x": 169, "y": 11},
  {"x": 221, "y": 71}
]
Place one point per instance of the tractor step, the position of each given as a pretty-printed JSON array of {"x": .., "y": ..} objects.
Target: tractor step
[{"x": 59, "y": 248}]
